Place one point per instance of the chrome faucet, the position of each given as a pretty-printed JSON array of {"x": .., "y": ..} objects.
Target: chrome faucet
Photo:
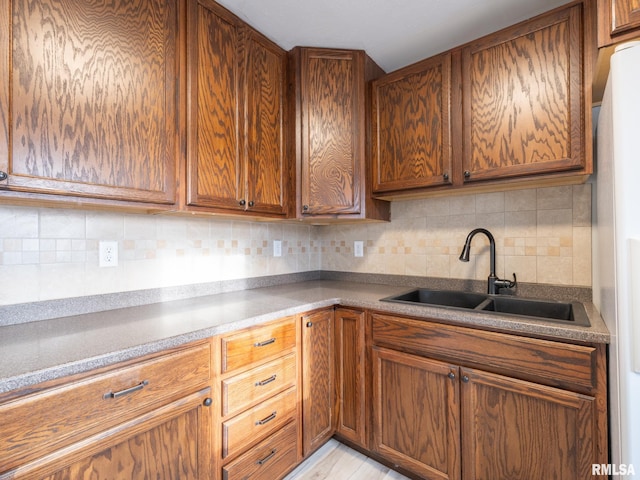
[{"x": 494, "y": 284}]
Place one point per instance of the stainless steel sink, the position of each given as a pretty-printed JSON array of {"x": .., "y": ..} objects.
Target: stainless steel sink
[{"x": 565, "y": 312}]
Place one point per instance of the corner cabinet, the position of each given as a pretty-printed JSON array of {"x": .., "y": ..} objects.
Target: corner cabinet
[
  {"x": 236, "y": 78},
  {"x": 88, "y": 110},
  {"x": 329, "y": 98},
  {"x": 411, "y": 125}
]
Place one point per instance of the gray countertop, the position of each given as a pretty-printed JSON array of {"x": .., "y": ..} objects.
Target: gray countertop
[{"x": 34, "y": 352}]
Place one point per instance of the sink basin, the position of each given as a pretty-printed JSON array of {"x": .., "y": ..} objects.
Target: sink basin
[
  {"x": 572, "y": 312},
  {"x": 565, "y": 312},
  {"x": 447, "y": 298}
]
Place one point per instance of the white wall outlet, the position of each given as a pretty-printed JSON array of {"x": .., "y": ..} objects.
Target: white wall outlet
[
  {"x": 108, "y": 253},
  {"x": 358, "y": 248},
  {"x": 277, "y": 248}
]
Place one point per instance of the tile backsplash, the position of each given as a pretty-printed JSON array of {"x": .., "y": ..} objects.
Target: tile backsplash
[{"x": 544, "y": 235}]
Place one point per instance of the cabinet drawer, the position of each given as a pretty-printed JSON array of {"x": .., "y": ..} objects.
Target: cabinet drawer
[
  {"x": 257, "y": 344},
  {"x": 257, "y": 384},
  {"x": 56, "y": 417},
  {"x": 258, "y": 422},
  {"x": 270, "y": 459},
  {"x": 545, "y": 361}
]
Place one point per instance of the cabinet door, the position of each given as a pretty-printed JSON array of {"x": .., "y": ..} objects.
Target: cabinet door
[
  {"x": 411, "y": 144},
  {"x": 625, "y": 15},
  {"x": 214, "y": 164},
  {"x": 332, "y": 108},
  {"x": 416, "y": 411},
  {"x": 267, "y": 168},
  {"x": 523, "y": 99},
  {"x": 317, "y": 379},
  {"x": 350, "y": 375},
  {"x": 88, "y": 98},
  {"x": 172, "y": 442},
  {"x": 517, "y": 430}
]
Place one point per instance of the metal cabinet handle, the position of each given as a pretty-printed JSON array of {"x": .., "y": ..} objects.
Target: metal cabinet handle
[
  {"x": 445, "y": 177},
  {"x": 242, "y": 202},
  {"x": 465, "y": 379},
  {"x": 266, "y": 342},
  {"x": 3, "y": 176},
  {"x": 266, "y": 419},
  {"x": 467, "y": 174},
  {"x": 251, "y": 204},
  {"x": 267, "y": 458},
  {"x": 207, "y": 402},
  {"x": 305, "y": 207},
  {"x": 309, "y": 324},
  {"x": 266, "y": 381},
  {"x": 452, "y": 375},
  {"x": 126, "y": 391}
]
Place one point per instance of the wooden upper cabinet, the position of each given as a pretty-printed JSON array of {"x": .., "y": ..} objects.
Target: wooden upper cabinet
[
  {"x": 88, "y": 99},
  {"x": 618, "y": 20},
  {"x": 235, "y": 124},
  {"x": 411, "y": 126},
  {"x": 330, "y": 133},
  {"x": 523, "y": 100}
]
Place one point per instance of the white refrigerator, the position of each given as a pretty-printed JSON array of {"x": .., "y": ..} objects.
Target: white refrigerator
[{"x": 616, "y": 250}]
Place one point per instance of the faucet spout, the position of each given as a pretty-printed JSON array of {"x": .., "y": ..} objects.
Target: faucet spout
[{"x": 493, "y": 282}]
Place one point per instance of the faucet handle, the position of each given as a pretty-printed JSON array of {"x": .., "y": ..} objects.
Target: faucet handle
[{"x": 503, "y": 283}]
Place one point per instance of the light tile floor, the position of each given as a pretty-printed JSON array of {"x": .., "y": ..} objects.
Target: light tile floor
[{"x": 336, "y": 461}]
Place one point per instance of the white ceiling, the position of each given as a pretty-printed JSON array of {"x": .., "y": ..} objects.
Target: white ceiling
[{"x": 394, "y": 33}]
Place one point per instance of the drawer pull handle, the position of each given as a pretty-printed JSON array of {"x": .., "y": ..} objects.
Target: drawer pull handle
[
  {"x": 266, "y": 381},
  {"x": 126, "y": 391},
  {"x": 267, "y": 419},
  {"x": 265, "y": 343},
  {"x": 267, "y": 458}
]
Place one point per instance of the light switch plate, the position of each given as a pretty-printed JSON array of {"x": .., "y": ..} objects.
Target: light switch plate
[
  {"x": 358, "y": 248},
  {"x": 277, "y": 248}
]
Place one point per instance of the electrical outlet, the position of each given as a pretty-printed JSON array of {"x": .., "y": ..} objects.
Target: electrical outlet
[
  {"x": 277, "y": 248},
  {"x": 108, "y": 254},
  {"x": 358, "y": 248}
]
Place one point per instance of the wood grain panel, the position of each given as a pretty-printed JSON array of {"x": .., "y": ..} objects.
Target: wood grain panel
[
  {"x": 519, "y": 430},
  {"x": 257, "y": 423},
  {"x": 317, "y": 379},
  {"x": 625, "y": 15},
  {"x": 331, "y": 166},
  {"x": 264, "y": 139},
  {"x": 268, "y": 460},
  {"x": 93, "y": 98},
  {"x": 552, "y": 363},
  {"x": 350, "y": 374},
  {"x": 257, "y": 344},
  {"x": 214, "y": 166},
  {"x": 411, "y": 122},
  {"x": 523, "y": 99},
  {"x": 242, "y": 391},
  {"x": 5, "y": 41},
  {"x": 82, "y": 408},
  {"x": 417, "y": 413}
]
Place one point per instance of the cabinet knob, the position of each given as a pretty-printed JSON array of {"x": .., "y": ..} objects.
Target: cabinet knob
[
  {"x": 309, "y": 324},
  {"x": 242, "y": 202},
  {"x": 251, "y": 204},
  {"x": 445, "y": 177},
  {"x": 3, "y": 176},
  {"x": 305, "y": 207},
  {"x": 467, "y": 174},
  {"x": 452, "y": 375},
  {"x": 207, "y": 402},
  {"x": 465, "y": 379}
]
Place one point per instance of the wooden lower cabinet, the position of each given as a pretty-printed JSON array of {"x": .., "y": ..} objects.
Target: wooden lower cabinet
[
  {"x": 350, "y": 358},
  {"x": 472, "y": 411},
  {"x": 512, "y": 429},
  {"x": 318, "y": 409},
  {"x": 416, "y": 413},
  {"x": 173, "y": 442}
]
